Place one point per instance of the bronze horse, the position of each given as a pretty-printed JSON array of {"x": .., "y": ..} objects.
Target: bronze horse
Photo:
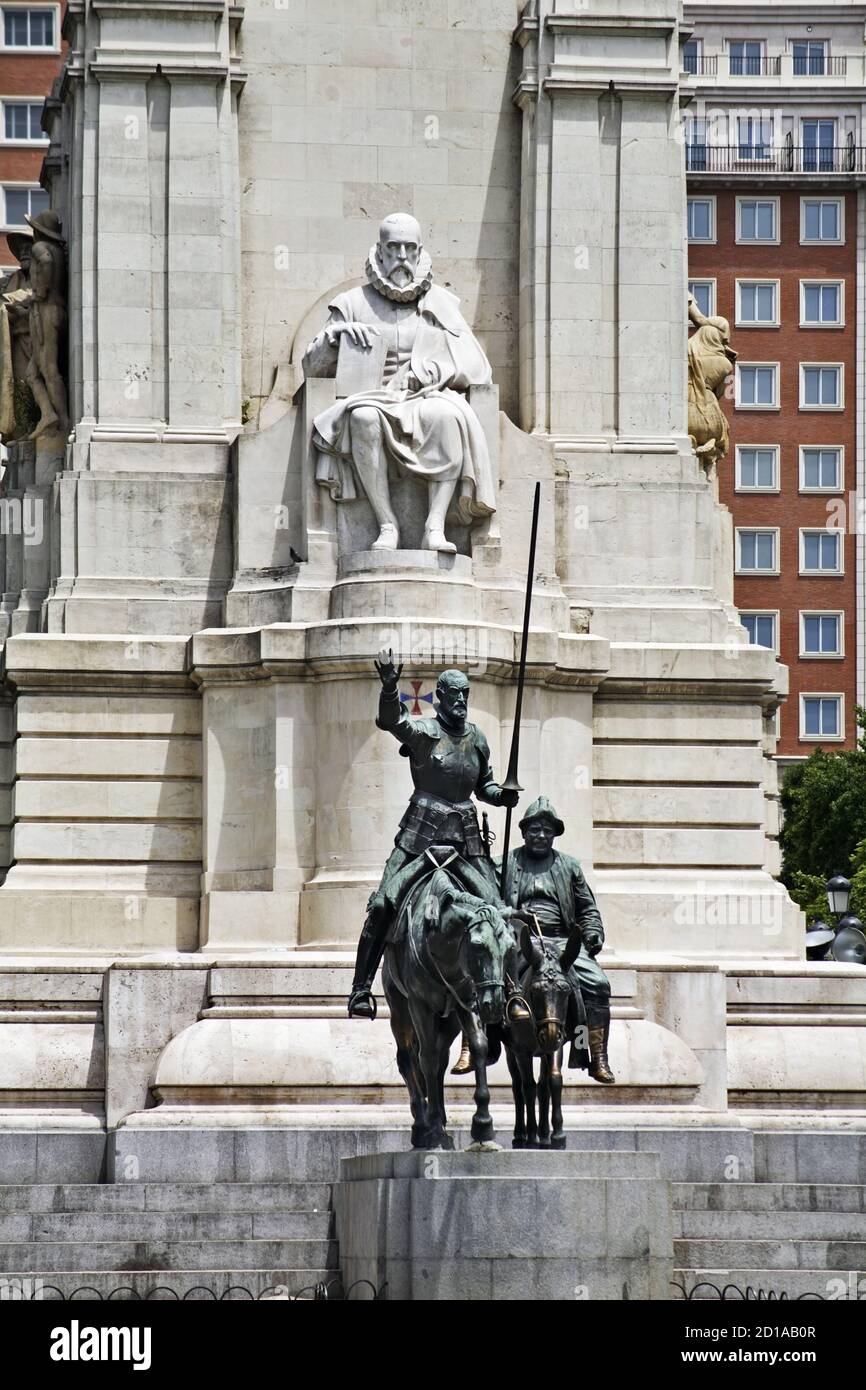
[
  {"x": 547, "y": 992},
  {"x": 446, "y": 970}
]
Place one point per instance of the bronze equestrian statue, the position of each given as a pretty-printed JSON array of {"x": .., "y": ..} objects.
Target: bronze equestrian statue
[{"x": 449, "y": 759}]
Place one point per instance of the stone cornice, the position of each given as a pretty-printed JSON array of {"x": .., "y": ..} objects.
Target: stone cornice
[
  {"x": 115, "y": 67},
  {"x": 336, "y": 649}
]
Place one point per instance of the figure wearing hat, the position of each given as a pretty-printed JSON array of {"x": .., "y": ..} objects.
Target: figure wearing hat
[{"x": 551, "y": 886}]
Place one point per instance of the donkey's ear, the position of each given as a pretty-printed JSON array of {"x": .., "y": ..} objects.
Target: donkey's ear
[{"x": 530, "y": 946}]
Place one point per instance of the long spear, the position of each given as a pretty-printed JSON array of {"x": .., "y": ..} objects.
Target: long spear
[{"x": 511, "y": 783}]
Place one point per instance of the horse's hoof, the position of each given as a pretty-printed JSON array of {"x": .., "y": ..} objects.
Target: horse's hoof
[
  {"x": 439, "y": 1139},
  {"x": 558, "y": 1141},
  {"x": 543, "y": 1144},
  {"x": 518, "y": 1143},
  {"x": 485, "y": 1146}
]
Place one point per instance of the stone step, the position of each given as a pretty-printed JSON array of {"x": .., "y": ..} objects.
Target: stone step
[
  {"x": 828, "y": 1255},
  {"x": 90, "y": 1226},
  {"x": 43, "y": 1256},
  {"x": 755, "y": 1284},
  {"x": 169, "y": 1196},
  {"x": 166, "y": 1284},
  {"x": 770, "y": 1225},
  {"x": 768, "y": 1196}
]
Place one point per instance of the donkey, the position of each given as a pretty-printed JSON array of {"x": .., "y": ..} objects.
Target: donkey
[{"x": 548, "y": 994}]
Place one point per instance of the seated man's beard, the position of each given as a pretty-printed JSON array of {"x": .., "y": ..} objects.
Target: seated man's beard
[{"x": 401, "y": 275}]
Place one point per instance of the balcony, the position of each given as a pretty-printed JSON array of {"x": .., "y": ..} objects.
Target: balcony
[
  {"x": 762, "y": 161},
  {"x": 824, "y": 71}
]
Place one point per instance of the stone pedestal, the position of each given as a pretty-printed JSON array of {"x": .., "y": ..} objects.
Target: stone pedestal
[{"x": 457, "y": 1227}]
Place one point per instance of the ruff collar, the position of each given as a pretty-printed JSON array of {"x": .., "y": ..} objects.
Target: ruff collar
[{"x": 405, "y": 295}]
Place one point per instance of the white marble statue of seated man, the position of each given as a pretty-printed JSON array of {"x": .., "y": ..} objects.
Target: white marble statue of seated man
[{"x": 420, "y": 422}]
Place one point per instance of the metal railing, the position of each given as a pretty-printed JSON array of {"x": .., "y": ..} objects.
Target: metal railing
[
  {"x": 700, "y": 66},
  {"x": 779, "y": 159},
  {"x": 754, "y": 67},
  {"x": 820, "y": 65}
]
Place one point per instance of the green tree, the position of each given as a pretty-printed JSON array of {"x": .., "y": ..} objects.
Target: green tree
[{"x": 824, "y": 829}]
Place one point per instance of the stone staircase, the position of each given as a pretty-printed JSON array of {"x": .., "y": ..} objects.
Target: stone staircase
[
  {"x": 165, "y": 1240},
  {"x": 773, "y": 1237},
  {"x": 793, "y": 1222}
]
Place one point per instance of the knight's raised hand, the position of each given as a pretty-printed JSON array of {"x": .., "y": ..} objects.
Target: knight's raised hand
[{"x": 388, "y": 673}]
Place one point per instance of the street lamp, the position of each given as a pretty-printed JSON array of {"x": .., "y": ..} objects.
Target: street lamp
[
  {"x": 838, "y": 894},
  {"x": 849, "y": 944}
]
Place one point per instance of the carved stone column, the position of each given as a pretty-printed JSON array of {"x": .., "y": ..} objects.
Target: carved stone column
[{"x": 148, "y": 106}]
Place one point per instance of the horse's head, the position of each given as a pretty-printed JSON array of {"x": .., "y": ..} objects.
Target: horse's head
[
  {"x": 547, "y": 991},
  {"x": 486, "y": 942}
]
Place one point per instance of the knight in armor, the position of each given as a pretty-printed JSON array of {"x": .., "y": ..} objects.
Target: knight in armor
[
  {"x": 450, "y": 762},
  {"x": 551, "y": 887}
]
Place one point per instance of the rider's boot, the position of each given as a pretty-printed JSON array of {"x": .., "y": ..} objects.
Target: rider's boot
[
  {"x": 371, "y": 948},
  {"x": 464, "y": 1061},
  {"x": 598, "y": 1026}
]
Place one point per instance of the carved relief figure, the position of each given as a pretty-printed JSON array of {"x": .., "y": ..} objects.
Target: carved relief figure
[
  {"x": 710, "y": 364},
  {"x": 17, "y": 408},
  {"x": 48, "y": 324},
  {"x": 33, "y": 398},
  {"x": 419, "y": 421}
]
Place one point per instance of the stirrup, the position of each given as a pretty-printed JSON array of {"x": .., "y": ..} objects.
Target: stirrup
[
  {"x": 517, "y": 1010},
  {"x": 362, "y": 1003}
]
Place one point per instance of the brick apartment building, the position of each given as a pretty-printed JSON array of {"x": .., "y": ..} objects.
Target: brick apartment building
[
  {"x": 30, "y": 55},
  {"x": 777, "y": 240}
]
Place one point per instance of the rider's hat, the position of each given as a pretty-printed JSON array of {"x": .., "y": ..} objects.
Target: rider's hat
[{"x": 541, "y": 809}]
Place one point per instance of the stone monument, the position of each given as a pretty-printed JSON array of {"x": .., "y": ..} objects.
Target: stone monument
[{"x": 236, "y": 514}]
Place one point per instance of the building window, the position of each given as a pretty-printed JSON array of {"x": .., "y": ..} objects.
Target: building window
[
  {"x": 810, "y": 57},
  {"x": 704, "y": 292},
  {"x": 820, "y": 634},
  {"x": 821, "y": 386},
  {"x": 692, "y": 55},
  {"x": 820, "y": 552},
  {"x": 821, "y": 303},
  {"x": 761, "y": 628},
  {"x": 757, "y": 385},
  {"x": 820, "y": 469},
  {"x": 702, "y": 219},
  {"x": 754, "y": 137},
  {"x": 21, "y": 201},
  {"x": 757, "y": 468},
  {"x": 819, "y": 146},
  {"x": 821, "y": 219},
  {"x": 821, "y": 716},
  {"x": 22, "y": 122},
  {"x": 756, "y": 551},
  {"x": 756, "y": 302},
  {"x": 29, "y": 28},
  {"x": 757, "y": 219},
  {"x": 696, "y": 142},
  {"x": 745, "y": 57}
]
